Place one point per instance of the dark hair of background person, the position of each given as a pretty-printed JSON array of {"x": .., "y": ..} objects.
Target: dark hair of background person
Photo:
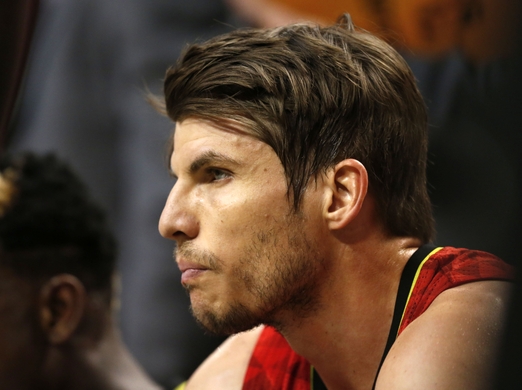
[
  {"x": 316, "y": 107},
  {"x": 49, "y": 225}
]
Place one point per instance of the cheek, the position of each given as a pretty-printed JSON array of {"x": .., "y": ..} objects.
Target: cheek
[
  {"x": 249, "y": 208},
  {"x": 22, "y": 350}
]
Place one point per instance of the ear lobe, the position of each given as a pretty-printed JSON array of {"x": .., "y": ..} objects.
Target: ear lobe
[
  {"x": 348, "y": 182},
  {"x": 62, "y": 304}
]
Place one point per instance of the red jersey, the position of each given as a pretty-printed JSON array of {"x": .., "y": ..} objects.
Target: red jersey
[{"x": 429, "y": 272}]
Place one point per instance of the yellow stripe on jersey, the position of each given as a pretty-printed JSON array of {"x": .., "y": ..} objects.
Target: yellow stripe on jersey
[
  {"x": 415, "y": 282},
  {"x": 181, "y": 386}
]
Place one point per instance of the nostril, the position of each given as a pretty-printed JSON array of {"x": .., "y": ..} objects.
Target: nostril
[{"x": 178, "y": 235}]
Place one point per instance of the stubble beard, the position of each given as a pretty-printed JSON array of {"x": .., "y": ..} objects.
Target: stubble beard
[{"x": 282, "y": 283}]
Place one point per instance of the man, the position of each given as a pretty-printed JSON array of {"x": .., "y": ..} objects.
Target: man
[
  {"x": 57, "y": 264},
  {"x": 302, "y": 219}
]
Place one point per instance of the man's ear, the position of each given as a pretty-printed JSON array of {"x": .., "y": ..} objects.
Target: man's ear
[
  {"x": 62, "y": 304},
  {"x": 348, "y": 183}
]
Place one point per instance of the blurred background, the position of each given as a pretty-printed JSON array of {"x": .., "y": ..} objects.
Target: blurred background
[{"x": 75, "y": 74}]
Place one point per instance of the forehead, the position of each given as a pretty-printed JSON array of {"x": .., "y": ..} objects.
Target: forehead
[{"x": 193, "y": 137}]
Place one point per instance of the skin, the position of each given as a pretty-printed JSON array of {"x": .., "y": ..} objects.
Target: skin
[
  {"x": 21, "y": 344},
  {"x": 221, "y": 206},
  {"x": 232, "y": 264},
  {"x": 454, "y": 343}
]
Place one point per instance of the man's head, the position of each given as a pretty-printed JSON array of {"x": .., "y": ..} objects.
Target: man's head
[
  {"x": 317, "y": 96},
  {"x": 280, "y": 136},
  {"x": 55, "y": 251}
]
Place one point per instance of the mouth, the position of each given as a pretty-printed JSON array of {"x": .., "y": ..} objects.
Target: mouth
[{"x": 190, "y": 271}]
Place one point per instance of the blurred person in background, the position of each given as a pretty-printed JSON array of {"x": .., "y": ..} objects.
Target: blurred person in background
[
  {"x": 90, "y": 65},
  {"x": 58, "y": 284},
  {"x": 482, "y": 29}
]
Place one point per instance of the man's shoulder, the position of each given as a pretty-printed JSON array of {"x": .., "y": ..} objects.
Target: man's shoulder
[
  {"x": 454, "y": 343},
  {"x": 446, "y": 268},
  {"x": 226, "y": 367},
  {"x": 469, "y": 264}
]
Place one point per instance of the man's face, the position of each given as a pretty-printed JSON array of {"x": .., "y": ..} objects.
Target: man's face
[
  {"x": 21, "y": 342},
  {"x": 246, "y": 258}
]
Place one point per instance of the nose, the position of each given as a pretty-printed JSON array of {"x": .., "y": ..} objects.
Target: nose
[{"x": 176, "y": 221}]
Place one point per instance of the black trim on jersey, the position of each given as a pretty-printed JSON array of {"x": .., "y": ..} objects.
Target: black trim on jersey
[
  {"x": 405, "y": 284},
  {"x": 407, "y": 277},
  {"x": 317, "y": 382}
]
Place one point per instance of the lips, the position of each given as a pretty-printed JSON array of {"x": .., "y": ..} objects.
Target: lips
[{"x": 189, "y": 270}]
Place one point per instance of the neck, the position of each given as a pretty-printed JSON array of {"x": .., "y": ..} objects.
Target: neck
[
  {"x": 105, "y": 364},
  {"x": 355, "y": 313}
]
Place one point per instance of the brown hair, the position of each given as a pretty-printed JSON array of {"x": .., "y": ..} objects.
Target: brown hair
[{"x": 317, "y": 96}]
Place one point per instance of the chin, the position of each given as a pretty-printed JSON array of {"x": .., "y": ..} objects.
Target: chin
[{"x": 237, "y": 318}]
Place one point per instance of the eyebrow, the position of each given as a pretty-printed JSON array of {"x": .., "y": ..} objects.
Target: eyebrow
[{"x": 210, "y": 157}]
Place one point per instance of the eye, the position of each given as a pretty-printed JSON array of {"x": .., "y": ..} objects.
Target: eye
[{"x": 217, "y": 174}]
